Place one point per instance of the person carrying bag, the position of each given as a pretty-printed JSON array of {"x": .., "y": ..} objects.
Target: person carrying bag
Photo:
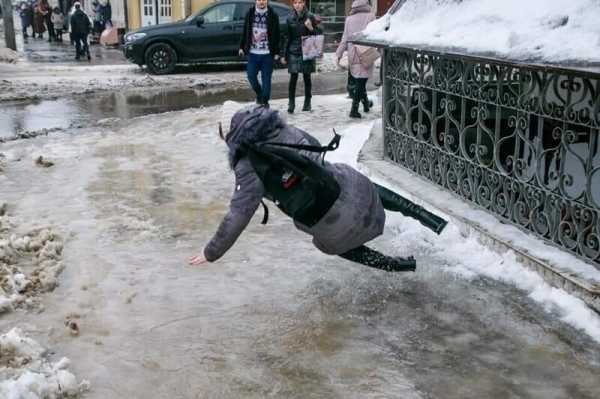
[
  {"x": 299, "y": 55},
  {"x": 360, "y": 60}
]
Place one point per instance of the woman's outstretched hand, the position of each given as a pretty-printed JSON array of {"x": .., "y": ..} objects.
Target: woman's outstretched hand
[{"x": 197, "y": 260}]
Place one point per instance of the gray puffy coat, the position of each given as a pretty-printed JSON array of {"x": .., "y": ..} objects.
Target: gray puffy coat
[{"x": 355, "y": 218}]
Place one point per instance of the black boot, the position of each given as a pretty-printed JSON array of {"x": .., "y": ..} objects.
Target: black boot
[
  {"x": 354, "y": 110},
  {"x": 367, "y": 104},
  {"x": 306, "y": 106},
  {"x": 369, "y": 257}
]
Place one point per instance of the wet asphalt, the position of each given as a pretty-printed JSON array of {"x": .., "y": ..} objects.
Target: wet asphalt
[{"x": 34, "y": 115}]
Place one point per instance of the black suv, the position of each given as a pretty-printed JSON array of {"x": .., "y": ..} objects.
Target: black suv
[{"x": 212, "y": 34}]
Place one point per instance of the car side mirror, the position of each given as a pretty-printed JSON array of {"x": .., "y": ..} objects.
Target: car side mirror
[{"x": 199, "y": 21}]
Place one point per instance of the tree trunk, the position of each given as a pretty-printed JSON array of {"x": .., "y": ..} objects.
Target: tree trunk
[{"x": 9, "y": 26}]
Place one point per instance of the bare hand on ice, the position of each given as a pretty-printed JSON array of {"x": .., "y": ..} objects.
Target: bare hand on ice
[{"x": 197, "y": 260}]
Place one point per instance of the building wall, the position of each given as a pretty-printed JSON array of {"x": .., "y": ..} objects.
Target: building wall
[
  {"x": 197, "y": 5},
  {"x": 134, "y": 14},
  {"x": 118, "y": 13}
]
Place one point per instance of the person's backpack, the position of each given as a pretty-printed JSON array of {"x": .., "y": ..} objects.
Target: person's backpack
[{"x": 302, "y": 188}]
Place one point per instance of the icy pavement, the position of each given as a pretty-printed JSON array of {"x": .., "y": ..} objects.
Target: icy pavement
[{"x": 274, "y": 317}]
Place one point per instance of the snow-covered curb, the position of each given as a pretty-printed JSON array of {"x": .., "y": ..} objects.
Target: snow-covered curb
[
  {"x": 457, "y": 241},
  {"x": 27, "y": 373}
]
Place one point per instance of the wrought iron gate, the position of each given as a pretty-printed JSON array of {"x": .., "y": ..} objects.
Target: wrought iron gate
[{"x": 519, "y": 140}]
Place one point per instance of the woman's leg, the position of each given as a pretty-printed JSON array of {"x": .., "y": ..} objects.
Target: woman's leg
[
  {"x": 307, "y": 91},
  {"x": 292, "y": 92},
  {"x": 367, "y": 104},
  {"x": 358, "y": 95},
  {"x": 252, "y": 68},
  {"x": 397, "y": 203},
  {"x": 369, "y": 257}
]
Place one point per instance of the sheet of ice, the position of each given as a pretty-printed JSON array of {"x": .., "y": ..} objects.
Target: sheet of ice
[
  {"x": 452, "y": 246},
  {"x": 537, "y": 30}
]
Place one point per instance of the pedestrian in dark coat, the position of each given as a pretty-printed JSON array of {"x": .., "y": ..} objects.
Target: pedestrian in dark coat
[
  {"x": 299, "y": 23},
  {"x": 356, "y": 217},
  {"x": 260, "y": 41},
  {"x": 26, "y": 15},
  {"x": 80, "y": 29}
]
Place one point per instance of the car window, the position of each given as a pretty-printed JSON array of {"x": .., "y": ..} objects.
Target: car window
[
  {"x": 220, "y": 13},
  {"x": 242, "y": 10},
  {"x": 282, "y": 12}
]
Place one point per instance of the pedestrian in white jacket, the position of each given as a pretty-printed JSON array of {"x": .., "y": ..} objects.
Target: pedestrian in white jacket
[{"x": 58, "y": 20}]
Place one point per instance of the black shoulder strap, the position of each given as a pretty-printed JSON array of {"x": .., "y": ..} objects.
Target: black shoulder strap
[
  {"x": 265, "y": 213},
  {"x": 333, "y": 145}
]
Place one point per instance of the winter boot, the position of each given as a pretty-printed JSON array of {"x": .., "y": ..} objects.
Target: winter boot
[
  {"x": 354, "y": 110},
  {"x": 367, "y": 104},
  {"x": 291, "y": 99},
  {"x": 306, "y": 106},
  {"x": 371, "y": 258}
]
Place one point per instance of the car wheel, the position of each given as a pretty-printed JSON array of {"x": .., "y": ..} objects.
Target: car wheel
[{"x": 160, "y": 58}]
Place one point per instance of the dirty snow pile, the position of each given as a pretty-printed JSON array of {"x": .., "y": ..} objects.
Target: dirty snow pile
[
  {"x": 8, "y": 55},
  {"x": 26, "y": 371},
  {"x": 535, "y": 30},
  {"x": 29, "y": 264}
]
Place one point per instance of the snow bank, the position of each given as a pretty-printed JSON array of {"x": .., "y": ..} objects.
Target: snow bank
[
  {"x": 26, "y": 372},
  {"x": 535, "y": 30},
  {"x": 29, "y": 264},
  {"x": 8, "y": 55}
]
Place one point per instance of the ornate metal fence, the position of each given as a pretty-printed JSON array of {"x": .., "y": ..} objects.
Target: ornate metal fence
[{"x": 520, "y": 141}]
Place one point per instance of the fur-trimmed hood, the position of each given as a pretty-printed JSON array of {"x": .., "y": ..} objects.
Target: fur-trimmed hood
[{"x": 252, "y": 125}]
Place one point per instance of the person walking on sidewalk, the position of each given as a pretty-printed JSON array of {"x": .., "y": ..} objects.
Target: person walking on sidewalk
[
  {"x": 46, "y": 11},
  {"x": 58, "y": 20},
  {"x": 359, "y": 18},
  {"x": 334, "y": 203},
  {"x": 38, "y": 22},
  {"x": 260, "y": 41},
  {"x": 26, "y": 14},
  {"x": 80, "y": 29},
  {"x": 300, "y": 23}
]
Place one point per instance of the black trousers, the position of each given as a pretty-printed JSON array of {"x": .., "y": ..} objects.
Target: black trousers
[
  {"x": 360, "y": 91},
  {"x": 294, "y": 82},
  {"x": 81, "y": 44}
]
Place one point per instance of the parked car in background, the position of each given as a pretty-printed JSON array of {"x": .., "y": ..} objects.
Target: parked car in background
[{"x": 212, "y": 34}]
